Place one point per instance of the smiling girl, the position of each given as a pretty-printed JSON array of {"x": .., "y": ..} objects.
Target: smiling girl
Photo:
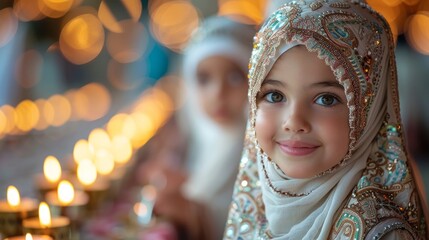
[{"x": 325, "y": 156}]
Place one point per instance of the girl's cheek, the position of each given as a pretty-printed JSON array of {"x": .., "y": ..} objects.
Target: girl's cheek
[{"x": 264, "y": 129}]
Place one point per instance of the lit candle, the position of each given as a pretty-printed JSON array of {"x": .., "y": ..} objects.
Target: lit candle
[
  {"x": 28, "y": 236},
  {"x": 56, "y": 227},
  {"x": 95, "y": 188},
  {"x": 68, "y": 202},
  {"x": 13, "y": 211},
  {"x": 48, "y": 181}
]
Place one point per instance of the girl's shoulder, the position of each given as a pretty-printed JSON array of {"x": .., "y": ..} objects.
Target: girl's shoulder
[{"x": 371, "y": 213}]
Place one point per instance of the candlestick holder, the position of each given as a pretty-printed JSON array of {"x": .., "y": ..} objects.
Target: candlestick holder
[
  {"x": 33, "y": 237},
  {"x": 59, "y": 229},
  {"x": 11, "y": 217}
]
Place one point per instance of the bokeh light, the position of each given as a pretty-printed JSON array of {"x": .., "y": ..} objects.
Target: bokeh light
[
  {"x": 82, "y": 38},
  {"x": 245, "y": 11},
  {"x": 46, "y": 111},
  {"x": 62, "y": 109},
  {"x": 82, "y": 150},
  {"x": 98, "y": 99},
  {"x": 417, "y": 33},
  {"x": 99, "y": 139},
  {"x": 106, "y": 16},
  {"x": 26, "y": 115},
  {"x": 121, "y": 149},
  {"x": 27, "y": 10},
  {"x": 9, "y": 113},
  {"x": 104, "y": 161},
  {"x": 128, "y": 45},
  {"x": 54, "y": 8},
  {"x": 173, "y": 22},
  {"x": 8, "y": 25}
]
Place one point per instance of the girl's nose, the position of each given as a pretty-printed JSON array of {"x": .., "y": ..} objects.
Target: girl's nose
[{"x": 296, "y": 120}]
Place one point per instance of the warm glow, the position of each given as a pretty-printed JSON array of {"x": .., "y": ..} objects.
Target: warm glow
[
  {"x": 82, "y": 39},
  {"x": 27, "y": 115},
  {"x": 173, "y": 22},
  {"x": 98, "y": 100},
  {"x": 28, "y": 236},
  {"x": 418, "y": 32},
  {"x": 8, "y": 26},
  {"x": 82, "y": 150},
  {"x": 52, "y": 169},
  {"x": 122, "y": 149},
  {"x": 13, "y": 198},
  {"x": 104, "y": 161},
  {"x": 86, "y": 172},
  {"x": 80, "y": 105},
  {"x": 99, "y": 139},
  {"x": 129, "y": 45},
  {"x": 129, "y": 128},
  {"x": 46, "y": 114},
  {"x": 55, "y": 8},
  {"x": 250, "y": 12},
  {"x": 65, "y": 192},
  {"x": 145, "y": 129},
  {"x": 133, "y": 7},
  {"x": 27, "y": 10},
  {"x": 116, "y": 123},
  {"x": 10, "y": 115},
  {"x": 169, "y": 90},
  {"x": 163, "y": 99},
  {"x": 62, "y": 109},
  {"x": 154, "y": 109},
  {"x": 44, "y": 215},
  {"x": 3, "y": 123}
]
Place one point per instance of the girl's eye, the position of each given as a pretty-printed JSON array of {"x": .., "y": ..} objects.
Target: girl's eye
[
  {"x": 235, "y": 78},
  {"x": 327, "y": 100},
  {"x": 203, "y": 79},
  {"x": 274, "y": 97}
]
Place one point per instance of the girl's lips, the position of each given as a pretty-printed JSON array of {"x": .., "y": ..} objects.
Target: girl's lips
[{"x": 297, "y": 148}]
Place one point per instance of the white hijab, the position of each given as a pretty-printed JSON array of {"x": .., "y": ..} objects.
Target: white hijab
[{"x": 214, "y": 150}]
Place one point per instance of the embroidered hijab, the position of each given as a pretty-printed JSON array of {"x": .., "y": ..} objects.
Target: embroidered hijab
[{"x": 372, "y": 191}]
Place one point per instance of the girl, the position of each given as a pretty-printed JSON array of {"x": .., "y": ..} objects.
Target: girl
[
  {"x": 324, "y": 155},
  {"x": 212, "y": 124}
]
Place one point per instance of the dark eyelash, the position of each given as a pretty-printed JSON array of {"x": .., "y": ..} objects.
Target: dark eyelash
[{"x": 330, "y": 94}]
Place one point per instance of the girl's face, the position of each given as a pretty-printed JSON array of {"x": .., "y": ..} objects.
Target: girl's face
[
  {"x": 302, "y": 117},
  {"x": 222, "y": 90}
]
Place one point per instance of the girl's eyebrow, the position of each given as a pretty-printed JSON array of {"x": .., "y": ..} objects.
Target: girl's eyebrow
[
  {"x": 272, "y": 82},
  {"x": 331, "y": 83}
]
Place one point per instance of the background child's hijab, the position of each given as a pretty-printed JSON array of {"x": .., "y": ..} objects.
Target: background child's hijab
[
  {"x": 357, "y": 44},
  {"x": 214, "y": 151}
]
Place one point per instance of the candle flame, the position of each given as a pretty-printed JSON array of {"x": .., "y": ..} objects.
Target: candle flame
[
  {"x": 28, "y": 236},
  {"x": 65, "y": 192},
  {"x": 52, "y": 169},
  {"x": 13, "y": 198},
  {"x": 44, "y": 214},
  {"x": 86, "y": 172}
]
